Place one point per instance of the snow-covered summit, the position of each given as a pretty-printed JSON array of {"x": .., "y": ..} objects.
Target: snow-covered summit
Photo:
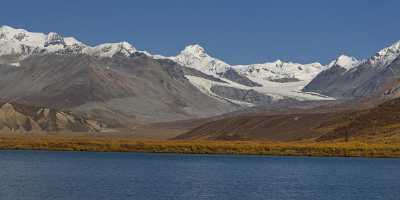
[
  {"x": 110, "y": 49},
  {"x": 32, "y": 39},
  {"x": 22, "y": 36},
  {"x": 346, "y": 62},
  {"x": 386, "y": 56},
  {"x": 195, "y": 50},
  {"x": 195, "y": 56},
  {"x": 24, "y": 43}
]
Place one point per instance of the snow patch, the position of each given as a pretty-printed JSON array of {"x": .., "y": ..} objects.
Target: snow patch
[{"x": 16, "y": 64}]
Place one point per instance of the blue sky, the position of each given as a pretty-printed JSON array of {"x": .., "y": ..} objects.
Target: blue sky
[{"x": 239, "y": 32}]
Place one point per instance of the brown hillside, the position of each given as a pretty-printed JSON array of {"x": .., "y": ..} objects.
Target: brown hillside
[
  {"x": 379, "y": 123},
  {"x": 21, "y": 118}
]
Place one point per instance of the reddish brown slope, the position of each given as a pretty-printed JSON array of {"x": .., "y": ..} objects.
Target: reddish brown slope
[
  {"x": 276, "y": 127},
  {"x": 379, "y": 123}
]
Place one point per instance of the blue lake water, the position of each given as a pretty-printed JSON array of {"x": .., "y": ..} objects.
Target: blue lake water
[{"x": 41, "y": 175}]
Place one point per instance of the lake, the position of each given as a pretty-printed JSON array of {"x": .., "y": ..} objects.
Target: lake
[{"x": 41, "y": 175}]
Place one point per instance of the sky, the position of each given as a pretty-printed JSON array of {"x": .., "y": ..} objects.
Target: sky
[{"x": 236, "y": 31}]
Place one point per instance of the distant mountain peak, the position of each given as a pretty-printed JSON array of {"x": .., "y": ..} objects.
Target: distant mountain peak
[
  {"x": 392, "y": 49},
  {"x": 194, "y": 49},
  {"x": 110, "y": 49},
  {"x": 345, "y": 61},
  {"x": 23, "y": 42},
  {"x": 195, "y": 56},
  {"x": 386, "y": 56}
]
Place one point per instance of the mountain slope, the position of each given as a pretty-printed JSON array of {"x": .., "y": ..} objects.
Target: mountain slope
[
  {"x": 138, "y": 87},
  {"x": 284, "y": 127},
  {"x": 379, "y": 123}
]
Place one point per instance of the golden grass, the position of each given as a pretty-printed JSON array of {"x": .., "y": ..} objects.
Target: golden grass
[{"x": 121, "y": 144}]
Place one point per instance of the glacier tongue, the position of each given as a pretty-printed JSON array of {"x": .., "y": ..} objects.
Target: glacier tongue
[{"x": 279, "y": 71}]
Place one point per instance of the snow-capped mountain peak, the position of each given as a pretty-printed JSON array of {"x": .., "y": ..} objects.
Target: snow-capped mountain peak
[
  {"x": 195, "y": 56},
  {"x": 346, "y": 62},
  {"x": 110, "y": 49},
  {"x": 195, "y": 50},
  {"x": 32, "y": 39},
  {"x": 24, "y": 43},
  {"x": 386, "y": 56},
  {"x": 22, "y": 36}
]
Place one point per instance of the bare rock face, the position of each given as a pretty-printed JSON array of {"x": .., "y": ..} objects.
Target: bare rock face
[
  {"x": 20, "y": 118},
  {"x": 54, "y": 39},
  {"x": 11, "y": 120},
  {"x": 234, "y": 76},
  {"x": 249, "y": 96}
]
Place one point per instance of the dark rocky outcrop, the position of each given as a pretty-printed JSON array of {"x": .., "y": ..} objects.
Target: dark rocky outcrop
[
  {"x": 234, "y": 76},
  {"x": 249, "y": 96}
]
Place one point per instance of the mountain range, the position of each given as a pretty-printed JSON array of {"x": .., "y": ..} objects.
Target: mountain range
[{"x": 119, "y": 86}]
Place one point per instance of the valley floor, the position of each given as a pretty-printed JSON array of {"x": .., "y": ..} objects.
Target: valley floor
[{"x": 87, "y": 142}]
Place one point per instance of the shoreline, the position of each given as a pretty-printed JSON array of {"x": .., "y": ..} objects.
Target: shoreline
[{"x": 267, "y": 148}]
